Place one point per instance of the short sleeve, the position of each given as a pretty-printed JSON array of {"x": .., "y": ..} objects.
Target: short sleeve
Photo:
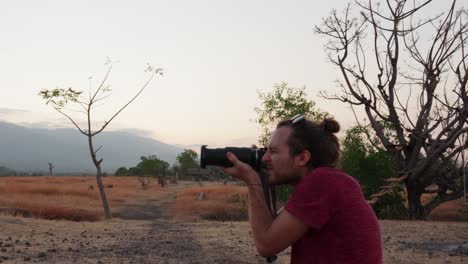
[{"x": 315, "y": 199}]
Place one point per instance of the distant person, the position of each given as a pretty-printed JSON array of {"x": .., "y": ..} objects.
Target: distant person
[{"x": 327, "y": 219}]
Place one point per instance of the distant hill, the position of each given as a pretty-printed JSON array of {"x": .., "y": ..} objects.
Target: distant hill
[{"x": 30, "y": 149}]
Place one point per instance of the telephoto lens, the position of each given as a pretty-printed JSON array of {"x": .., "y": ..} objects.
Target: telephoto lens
[{"x": 217, "y": 156}]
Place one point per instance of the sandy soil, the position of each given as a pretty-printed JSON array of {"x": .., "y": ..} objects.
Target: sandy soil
[
  {"x": 166, "y": 241},
  {"x": 143, "y": 232}
]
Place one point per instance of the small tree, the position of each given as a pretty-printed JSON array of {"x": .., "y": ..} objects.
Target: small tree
[
  {"x": 122, "y": 171},
  {"x": 51, "y": 168},
  {"x": 60, "y": 97},
  {"x": 187, "y": 159},
  {"x": 152, "y": 166}
]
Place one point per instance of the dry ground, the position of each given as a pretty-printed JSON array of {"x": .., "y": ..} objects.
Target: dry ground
[{"x": 148, "y": 228}]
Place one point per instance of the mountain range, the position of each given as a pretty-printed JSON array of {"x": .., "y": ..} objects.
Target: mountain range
[{"x": 31, "y": 149}]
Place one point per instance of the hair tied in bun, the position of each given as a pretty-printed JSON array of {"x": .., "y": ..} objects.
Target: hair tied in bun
[{"x": 330, "y": 125}]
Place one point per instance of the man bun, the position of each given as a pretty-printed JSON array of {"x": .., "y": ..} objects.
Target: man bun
[
  {"x": 318, "y": 138},
  {"x": 330, "y": 125}
]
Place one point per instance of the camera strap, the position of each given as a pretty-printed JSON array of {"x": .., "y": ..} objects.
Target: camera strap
[
  {"x": 272, "y": 206},
  {"x": 269, "y": 192},
  {"x": 270, "y": 198},
  {"x": 273, "y": 200}
]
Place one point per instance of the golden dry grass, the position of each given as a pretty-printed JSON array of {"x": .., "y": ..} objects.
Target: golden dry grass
[
  {"x": 60, "y": 197},
  {"x": 220, "y": 203},
  {"x": 77, "y": 199}
]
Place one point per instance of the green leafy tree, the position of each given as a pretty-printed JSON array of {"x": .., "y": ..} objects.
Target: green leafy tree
[
  {"x": 134, "y": 171},
  {"x": 370, "y": 164},
  {"x": 148, "y": 167},
  {"x": 122, "y": 171},
  {"x": 187, "y": 159},
  {"x": 152, "y": 166},
  {"x": 60, "y": 98},
  {"x": 281, "y": 103}
]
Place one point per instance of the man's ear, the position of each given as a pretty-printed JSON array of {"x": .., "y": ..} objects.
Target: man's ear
[{"x": 303, "y": 158}]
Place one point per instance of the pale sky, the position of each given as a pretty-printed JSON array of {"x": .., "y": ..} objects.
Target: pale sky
[{"x": 215, "y": 54}]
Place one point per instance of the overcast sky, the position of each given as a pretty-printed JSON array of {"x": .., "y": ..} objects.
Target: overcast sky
[{"x": 215, "y": 54}]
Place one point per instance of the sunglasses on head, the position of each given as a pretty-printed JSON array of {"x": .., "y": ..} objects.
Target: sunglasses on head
[{"x": 296, "y": 119}]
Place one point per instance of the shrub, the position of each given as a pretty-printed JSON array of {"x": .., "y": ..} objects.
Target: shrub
[{"x": 371, "y": 166}]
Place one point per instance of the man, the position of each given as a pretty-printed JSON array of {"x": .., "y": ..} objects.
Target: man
[{"x": 327, "y": 219}]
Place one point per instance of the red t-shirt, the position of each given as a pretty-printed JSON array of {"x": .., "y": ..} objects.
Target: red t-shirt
[{"x": 343, "y": 227}]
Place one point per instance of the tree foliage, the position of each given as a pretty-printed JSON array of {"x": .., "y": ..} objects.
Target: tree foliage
[
  {"x": 187, "y": 159},
  {"x": 411, "y": 72},
  {"x": 122, "y": 171},
  {"x": 152, "y": 166},
  {"x": 281, "y": 103},
  {"x": 370, "y": 164},
  {"x": 134, "y": 171}
]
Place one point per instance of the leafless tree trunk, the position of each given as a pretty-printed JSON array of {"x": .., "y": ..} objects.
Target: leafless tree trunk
[
  {"x": 60, "y": 97},
  {"x": 414, "y": 83},
  {"x": 144, "y": 181},
  {"x": 51, "y": 169}
]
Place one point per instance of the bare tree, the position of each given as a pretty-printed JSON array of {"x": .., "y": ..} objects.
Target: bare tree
[
  {"x": 59, "y": 98},
  {"x": 411, "y": 73},
  {"x": 145, "y": 181},
  {"x": 51, "y": 169}
]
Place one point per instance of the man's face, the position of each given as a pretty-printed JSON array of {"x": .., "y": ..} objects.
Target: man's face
[{"x": 281, "y": 165}]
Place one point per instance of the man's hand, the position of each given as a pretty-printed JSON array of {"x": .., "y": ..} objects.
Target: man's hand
[{"x": 241, "y": 170}]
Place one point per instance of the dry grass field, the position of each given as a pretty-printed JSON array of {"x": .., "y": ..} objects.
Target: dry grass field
[
  {"x": 68, "y": 198},
  {"x": 77, "y": 198},
  {"x": 222, "y": 203},
  {"x": 64, "y": 224}
]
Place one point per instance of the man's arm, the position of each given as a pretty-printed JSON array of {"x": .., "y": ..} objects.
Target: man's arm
[{"x": 271, "y": 236}]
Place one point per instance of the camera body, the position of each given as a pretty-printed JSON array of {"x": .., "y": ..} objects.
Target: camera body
[{"x": 217, "y": 156}]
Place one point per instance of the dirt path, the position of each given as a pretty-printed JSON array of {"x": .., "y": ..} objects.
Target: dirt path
[
  {"x": 145, "y": 210},
  {"x": 152, "y": 206}
]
